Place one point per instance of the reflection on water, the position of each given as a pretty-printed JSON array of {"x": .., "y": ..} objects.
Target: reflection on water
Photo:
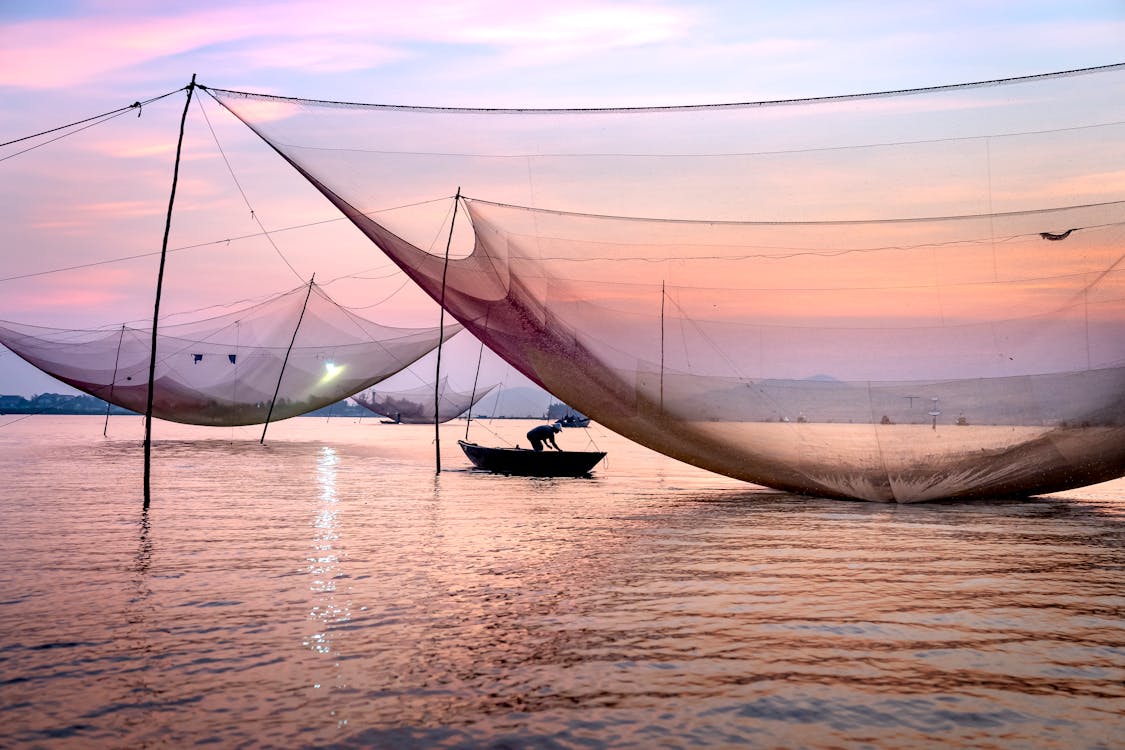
[
  {"x": 324, "y": 563},
  {"x": 328, "y": 590}
]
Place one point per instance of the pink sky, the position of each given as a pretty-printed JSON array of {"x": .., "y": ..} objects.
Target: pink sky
[{"x": 101, "y": 195}]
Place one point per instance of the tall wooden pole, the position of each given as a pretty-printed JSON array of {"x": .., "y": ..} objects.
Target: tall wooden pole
[
  {"x": 112, "y": 381},
  {"x": 285, "y": 362},
  {"x": 156, "y": 306},
  {"x": 473, "y": 396},
  {"x": 663, "y": 295},
  {"x": 441, "y": 338}
]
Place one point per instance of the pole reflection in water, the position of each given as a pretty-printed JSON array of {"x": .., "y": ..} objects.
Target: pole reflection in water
[
  {"x": 323, "y": 563},
  {"x": 138, "y": 616}
]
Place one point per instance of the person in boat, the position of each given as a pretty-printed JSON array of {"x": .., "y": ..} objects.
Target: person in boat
[{"x": 544, "y": 433}]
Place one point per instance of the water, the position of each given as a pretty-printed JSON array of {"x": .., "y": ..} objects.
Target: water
[{"x": 327, "y": 590}]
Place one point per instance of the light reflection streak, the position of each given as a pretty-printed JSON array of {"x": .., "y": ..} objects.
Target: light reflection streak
[{"x": 324, "y": 560}]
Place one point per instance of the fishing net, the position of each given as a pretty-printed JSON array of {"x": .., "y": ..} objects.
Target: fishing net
[
  {"x": 416, "y": 405},
  {"x": 900, "y": 296},
  {"x": 225, "y": 370}
]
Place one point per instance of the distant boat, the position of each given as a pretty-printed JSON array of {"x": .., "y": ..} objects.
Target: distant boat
[
  {"x": 570, "y": 420},
  {"x": 529, "y": 463}
]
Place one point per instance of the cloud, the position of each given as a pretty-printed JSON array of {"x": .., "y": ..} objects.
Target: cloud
[
  {"x": 72, "y": 296},
  {"x": 51, "y": 53},
  {"x": 322, "y": 54},
  {"x": 581, "y": 29},
  {"x": 58, "y": 53},
  {"x": 65, "y": 52}
]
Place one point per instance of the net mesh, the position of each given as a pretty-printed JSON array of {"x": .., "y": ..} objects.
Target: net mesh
[
  {"x": 416, "y": 405},
  {"x": 893, "y": 297},
  {"x": 225, "y": 370}
]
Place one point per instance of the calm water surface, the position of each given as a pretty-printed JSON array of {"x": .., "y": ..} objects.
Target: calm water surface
[{"x": 328, "y": 590}]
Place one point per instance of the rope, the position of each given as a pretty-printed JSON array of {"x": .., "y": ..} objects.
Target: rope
[
  {"x": 233, "y": 176},
  {"x": 95, "y": 120},
  {"x": 211, "y": 243},
  {"x": 680, "y": 107},
  {"x": 806, "y": 223},
  {"x": 20, "y": 419}
]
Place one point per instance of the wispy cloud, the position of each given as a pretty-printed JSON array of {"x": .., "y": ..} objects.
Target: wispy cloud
[{"x": 309, "y": 37}]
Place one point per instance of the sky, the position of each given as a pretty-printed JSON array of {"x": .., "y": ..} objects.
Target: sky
[{"x": 74, "y": 208}]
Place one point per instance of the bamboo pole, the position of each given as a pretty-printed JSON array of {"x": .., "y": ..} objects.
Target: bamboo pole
[
  {"x": 113, "y": 381},
  {"x": 156, "y": 305},
  {"x": 285, "y": 362},
  {"x": 441, "y": 337},
  {"x": 473, "y": 395}
]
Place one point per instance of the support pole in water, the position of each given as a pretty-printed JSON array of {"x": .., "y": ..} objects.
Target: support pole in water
[
  {"x": 441, "y": 338},
  {"x": 662, "y": 297},
  {"x": 113, "y": 381},
  {"x": 156, "y": 306},
  {"x": 473, "y": 396},
  {"x": 285, "y": 361}
]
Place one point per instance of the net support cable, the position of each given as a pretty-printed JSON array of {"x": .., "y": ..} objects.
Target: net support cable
[
  {"x": 687, "y": 107},
  {"x": 88, "y": 122},
  {"x": 237, "y": 184}
]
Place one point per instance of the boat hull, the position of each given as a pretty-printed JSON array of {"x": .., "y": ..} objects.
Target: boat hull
[{"x": 529, "y": 463}]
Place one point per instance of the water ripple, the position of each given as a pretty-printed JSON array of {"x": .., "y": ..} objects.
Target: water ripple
[{"x": 327, "y": 590}]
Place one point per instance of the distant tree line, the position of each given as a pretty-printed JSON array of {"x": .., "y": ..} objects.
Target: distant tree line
[
  {"x": 345, "y": 408},
  {"x": 57, "y": 403}
]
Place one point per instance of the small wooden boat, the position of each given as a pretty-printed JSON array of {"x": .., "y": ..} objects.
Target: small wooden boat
[{"x": 529, "y": 463}]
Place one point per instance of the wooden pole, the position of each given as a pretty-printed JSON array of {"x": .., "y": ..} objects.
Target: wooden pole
[
  {"x": 662, "y": 296},
  {"x": 285, "y": 361},
  {"x": 441, "y": 337},
  {"x": 156, "y": 306},
  {"x": 473, "y": 396},
  {"x": 113, "y": 381}
]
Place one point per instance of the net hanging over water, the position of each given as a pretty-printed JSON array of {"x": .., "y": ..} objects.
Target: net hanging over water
[
  {"x": 416, "y": 405},
  {"x": 224, "y": 371},
  {"x": 900, "y": 296}
]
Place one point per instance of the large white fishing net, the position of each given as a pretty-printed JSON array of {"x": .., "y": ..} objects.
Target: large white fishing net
[
  {"x": 899, "y": 296},
  {"x": 226, "y": 370}
]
